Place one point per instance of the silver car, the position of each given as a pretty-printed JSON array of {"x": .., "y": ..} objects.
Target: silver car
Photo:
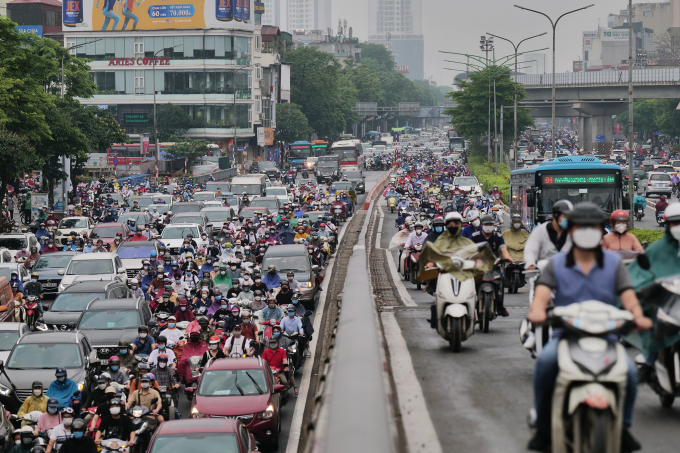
[{"x": 655, "y": 183}]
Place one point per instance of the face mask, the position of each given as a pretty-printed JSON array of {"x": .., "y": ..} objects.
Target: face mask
[
  {"x": 101, "y": 386},
  {"x": 34, "y": 280},
  {"x": 587, "y": 238},
  {"x": 52, "y": 410},
  {"x": 621, "y": 228},
  {"x": 114, "y": 367},
  {"x": 452, "y": 230},
  {"x": 438, "y": 229},
  {"x": 291, "y": 314},
  {"x": 272, "y": 306},
  {"x": 564, "y": 223},
  {"x": 246, "y": 321},
  {"x": 475, "y": 223},
  {"x": 276, "y": 334},
  {"x": 171, "y": 325},
  {"x": 273, "y": 345},
  {"x": 37, "y": 392},
  {"x": 134, "y": 286},
  {"x": 488, "y": 229},
  {"x": 258, "y": 280},
  {"x": 61, "y": 379},
  {"x": 116, "y": 410},
  {"x": 246, "y": 289},
  {"x": 233, "y": 268},
  {"x": 145, "y": 385},
  {"x": 68, "y": 421},
  {"x": 142, "y": 335},
  {"x": 516, "y": 226},
  {"x": 213, "y": 346},
  {"x": 223, "y": 307}
]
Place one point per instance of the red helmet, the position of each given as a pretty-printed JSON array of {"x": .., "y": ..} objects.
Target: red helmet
[{"x": 619, "y": 214}]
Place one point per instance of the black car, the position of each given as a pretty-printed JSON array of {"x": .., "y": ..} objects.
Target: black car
[
  {"x": 47, "y": 267},
  {"x": 269, "y": 169},
  {"x": 71, "y": 302},
  {"x": 294, "y": 257},
  {"x": 357, "y": 179},
  {"x": 187, "y": 206},
  {"x": 106, "y": 322},
  {"x": 37, "y": 355}
]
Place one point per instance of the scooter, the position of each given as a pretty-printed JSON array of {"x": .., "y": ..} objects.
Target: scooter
[
  {"x": 661, "y": 219},
  {"x": 639, "y": 212},
  {"x": 514, "y": 277},
  {"x": 586, "y": 412},
  {"x": 31, "y": 307},
  {"x": 413, "y": 268},
  {"x": 392, "y": 203},
  {"x": 144, "y": 424},
  {"x": 489, "y": 292}
]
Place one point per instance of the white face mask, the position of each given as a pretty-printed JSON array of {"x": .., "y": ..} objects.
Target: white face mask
[
  {"x": 162, "y": 364},
  {"x": 213, "y": 346},
  {"x": 587, "y": 238},
  {"x": 37, "y": 392},
  {"x": 145, "y": 385},
  {"x": 101, "y": 386},
  {"x": 68, "y": 421},
  {"x": 488, "y": 229},
  {"x": 116, "y": 410},
  {"x": 675, "y": 231},
  {"x": 475, "y": 223},
  {"x": 516, "y": 226},
  {"x": 620, "y": 228},
  {"x": 142, "y": 335}
]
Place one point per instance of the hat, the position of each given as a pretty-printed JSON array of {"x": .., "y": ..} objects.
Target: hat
[
  {"x": 52, "y": 402},
  {"x": 172, "y": 318},
  {"x": 61, "y": 371}
]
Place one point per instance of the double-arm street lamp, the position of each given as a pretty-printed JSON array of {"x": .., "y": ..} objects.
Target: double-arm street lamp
[{"x": 486, "y": 45}]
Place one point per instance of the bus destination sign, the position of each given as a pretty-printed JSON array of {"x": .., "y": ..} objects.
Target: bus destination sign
[{"x": 576, "y": 179}]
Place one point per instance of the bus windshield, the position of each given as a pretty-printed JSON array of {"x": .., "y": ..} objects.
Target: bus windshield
[
  {"x": 598, "y": 187},
  {"x": 346, "y": 154},
  {"x": 299, "y": 152}
]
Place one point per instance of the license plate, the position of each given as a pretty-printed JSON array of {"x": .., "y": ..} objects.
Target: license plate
[
  {"x": 661, "y": 185},
  {"x": 49, "y": 285},
  {"x": 162, "y": 388}
]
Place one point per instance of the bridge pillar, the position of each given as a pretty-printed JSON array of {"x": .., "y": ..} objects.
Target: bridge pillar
[{"x": 596, "y": 119}]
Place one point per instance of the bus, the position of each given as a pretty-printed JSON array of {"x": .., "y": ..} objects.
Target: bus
[
  {"x": 298, "y": 152},
  {"x": 319, "y": 148},
  {"x": 534, "y": 190},
  {"x": 372, "y": 136},
  {"x": 350, "y": 153}
]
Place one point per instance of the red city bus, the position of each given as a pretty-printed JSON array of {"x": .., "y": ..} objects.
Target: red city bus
[
  {"x": 350, "y": 153},
  {"x": 130, "y": 153}
]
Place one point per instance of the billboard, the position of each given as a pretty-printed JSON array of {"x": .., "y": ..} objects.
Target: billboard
[
  {"x": 590, "y": 34},
  {"x": 614, "y": 35},
  {"x": 37, "y": 29},
  {"x": 577, "y": 66},
  {"x": 109, "y": 15}
]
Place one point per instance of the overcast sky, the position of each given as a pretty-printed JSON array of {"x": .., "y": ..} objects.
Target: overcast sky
[{"x": 455, "y": 26}]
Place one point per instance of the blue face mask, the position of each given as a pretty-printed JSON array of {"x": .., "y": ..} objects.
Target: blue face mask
[
  {"x": 114, "y": 367},
  {"x": 161, "y": 346},
  {"x": 563, "y": 224},
  {"x": 291, "y": 314},
  {"x": 223, "y": 307},
  {"x": 77, "y": 434},
  {"x": 171, "y": 325},
  {"x": 438, "y": 229},
  {"x": 276, "y": 334},
  {"x": 218, "y": 298},
  {"x": 52, "y": 410},
  {"x": 123, "y": 351},
  {"x": 34, "y": 280},
  {"x": 295, "y": 301}
]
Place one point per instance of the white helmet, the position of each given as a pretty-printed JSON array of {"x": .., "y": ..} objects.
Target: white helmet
[
  {"x": 453, "y": 216},
  {"x": 134, "y": 282},
  {"x": 472, "y": 215}
]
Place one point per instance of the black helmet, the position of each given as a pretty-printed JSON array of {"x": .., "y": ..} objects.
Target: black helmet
[
  {"x": 143, "y": 329},
  {"x": 562, "y": 207},
  {"x": 487, "y": 218},
  {"x": 438, "y": 222},
  {"x": 586, "y": 213},
  {"x": 78, "y": 425},
  {"x": 161, "y": 339},
  {"x": 123, "y": 344}
]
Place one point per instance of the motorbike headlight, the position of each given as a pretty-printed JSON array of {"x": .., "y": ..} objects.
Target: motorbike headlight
[
  {"x": 266, "y": 414},
  {"x": 137, "y": 413},
  {"x": 81, "y": 386},
  {"x": 5, "y": 391}
]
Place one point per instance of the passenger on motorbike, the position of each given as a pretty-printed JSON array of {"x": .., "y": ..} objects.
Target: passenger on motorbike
[
  {"x": 585, "y": 272},
  {"x": 661, "y": 205},
  {"x": 516, "y": 238},
  {"x": 62, "y": 388},
  {"x": 237, "y": 343},
  {"x": 550, "y": 237},
  {"x": 127, "y": 358},
  {"x": 117, "y": 425},
  {"x": 62, "y": 431},
  {"x": 26, "y": 444},
  {"x": 49, "y": 419},
  {"x": 474, "y": 223},
  {"x": 620, "y": 238},
  {"x": 36, "y": 402},
  {"x": 277, "y": 358}
]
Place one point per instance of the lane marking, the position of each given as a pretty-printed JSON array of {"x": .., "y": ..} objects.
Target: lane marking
[{"x": 421, "y": 436}]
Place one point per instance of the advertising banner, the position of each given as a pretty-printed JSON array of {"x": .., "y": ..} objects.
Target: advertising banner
[
  {"x": 89, "y": 15},
  {"x": 590, "y": 34},
  {"x": 577, "y": 66},
  {"x": 268, "y": 136},
  {"x": 614, "y": 35},
  {"x": 260, "y": 136},
  {"x": 37, "y": 29}
]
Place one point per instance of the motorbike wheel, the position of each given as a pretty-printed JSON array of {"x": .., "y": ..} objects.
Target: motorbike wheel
[
  {"x": 486, "y": 312},
  {"x": 29, "y": 321},
  {"x": 514, "y": 284},
  {"x": 666, "y": 400},
  {"x": 455, "y": 328},
  {"x": 414, "y": 275},
  {"x": 592, "y": 430},
  {"x": 392, "y": 209}
]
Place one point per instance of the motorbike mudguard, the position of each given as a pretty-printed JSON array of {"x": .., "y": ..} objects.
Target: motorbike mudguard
[
  {"x": 433, "y": 316},
  {"x": 589, "y": 394},
  {"x": 487, "y": 288},
  {"x": 456, "y": 311}
]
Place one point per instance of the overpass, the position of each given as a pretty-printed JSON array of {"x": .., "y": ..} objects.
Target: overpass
[{"x": 595, "y": 96}]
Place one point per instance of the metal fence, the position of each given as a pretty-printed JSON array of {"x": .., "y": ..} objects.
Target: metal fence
[
  {"x": 219, "y": 175},
  {"x": 664, "y": 76}
]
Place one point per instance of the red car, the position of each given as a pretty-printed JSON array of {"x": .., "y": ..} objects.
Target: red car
[
  {"x": 219, "y": 434},
  {"x": 242, "y": 388},
  {"x": 107, "y": 232}
]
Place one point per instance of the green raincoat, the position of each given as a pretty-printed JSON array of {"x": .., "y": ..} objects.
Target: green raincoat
[
  {"x": 443, "y": 249},
  {"x": 515, "y": 240}
]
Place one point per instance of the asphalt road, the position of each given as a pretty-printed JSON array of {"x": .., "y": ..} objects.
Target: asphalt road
[{"x": 479, "y": 399}]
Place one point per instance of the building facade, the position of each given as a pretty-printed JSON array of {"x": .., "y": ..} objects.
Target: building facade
[
  {"x": 42, "y": 17},
  {"x": 608, "y": 48}
]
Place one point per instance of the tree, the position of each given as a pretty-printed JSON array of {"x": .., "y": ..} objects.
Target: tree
[
  {"x": 291, "y": 124},
  {"x": 17, "y": 156},
  {"x": 172, "y": 120},
  {"x": 470, "y": 117},
  {"x": 378, "y": 56},
  {"x": 187, "y": 148},
  {"x": 436, "y": 91},
  {"x": 367, "y": 83},
  {"x": 667, "y": 48}
]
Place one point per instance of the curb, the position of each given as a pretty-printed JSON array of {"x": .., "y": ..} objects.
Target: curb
[{"x": 377, "y": 188}]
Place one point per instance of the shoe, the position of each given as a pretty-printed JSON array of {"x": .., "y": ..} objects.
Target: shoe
[
  {"x": 502, "y": 312},
  {"x": 539, "y": 442},
  {"x": 644, "y": 373},
  {"x": 628, "y": 442},
  {"x": 309, "y": 353}
]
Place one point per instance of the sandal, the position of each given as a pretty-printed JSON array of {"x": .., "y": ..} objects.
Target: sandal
[{"x": 296, "y": 390}]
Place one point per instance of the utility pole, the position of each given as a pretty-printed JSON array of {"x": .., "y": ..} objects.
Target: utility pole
[
  {"x": 631, "y": 150},
  {"x": 486, "y": 44}
]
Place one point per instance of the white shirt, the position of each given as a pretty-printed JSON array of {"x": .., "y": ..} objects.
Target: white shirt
[
  {"x": 239, "y": 344},
  {"x": 153, "y": 357},
  {"x": 57, "y": 432},
  {"x": 414, "y": 239},
  {"x": 172, "y": 334}
]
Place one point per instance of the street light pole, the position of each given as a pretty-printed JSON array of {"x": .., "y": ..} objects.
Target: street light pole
[
  {"x": 631, "y": 153},
  {"x": 554, "y": 26},
  {"x": 234, "y": 140},
  {"x": 155, "y": 125},
  {"x": 486, "y": 44},
  {"x": 516, "y": 47}
]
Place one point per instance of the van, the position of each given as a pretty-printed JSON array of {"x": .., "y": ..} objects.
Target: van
[
  {"x": 6, "y": 301},
  {"x": 253, "y": 185}
]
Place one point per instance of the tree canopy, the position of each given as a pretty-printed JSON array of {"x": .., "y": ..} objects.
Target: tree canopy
[{"x": 291, "y": 124}]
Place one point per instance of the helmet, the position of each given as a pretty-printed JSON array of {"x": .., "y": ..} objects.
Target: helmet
[
  {"x": 419, "y": 224},
  {"x": 619, "y": 214},
  {"x": 142, "y": 329},
  {"x": 144, "y": 366},
  {"x": 453, "y": 216},
  {"x": 78, "y": 425},
  {"x": 487, "y": 218},
  {"x": 214, "y": 340},
  {"x": 562, "y": 207},
  {"x": 163, "y": 357},
  {"x": 161, "y": 339},
  {"x": 134, "y": 281},
  {"x": 672, "y": 212},
  {"x": 586, "y": 213},
  {"x": 202, "y": 320},
  {"x": 472, "y": 215},
  {"x": 114, "y": 360},
  {"x": 123, "y": 344}
]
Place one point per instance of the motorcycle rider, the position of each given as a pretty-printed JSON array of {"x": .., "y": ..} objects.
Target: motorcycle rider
[
  {"x": 238, "y": 344},
  {"x": 34, "y": 288},
  {"x": 661, "y": 205},
  {"x": 79, "y": 443},
  {"x": 516, "y": 238},
  {"x": 620, "y": 238},
  {"x": 497, "y": 244},
  {"x": 277, "y": 358},
  {"x": 26, "y": 438},
  {"x": 117, "y": 425},
  {"x": 117, "y": 375},
  {"x": 127, "y": 358},
  {"x": 166, "y": 377},
  {"x": 62, "y": 431},
  {"x": 474, "y": 223},
  {"x": 548, "y": 238},
  {"x": 585, "y": 272},
  {"x": 49, "y": 419},
  {"x": 143, "y": 397},
  {"x": 62, "y": 388},
  {"x": 36, "y": 402},
  {"x": 639, "y": 201}
]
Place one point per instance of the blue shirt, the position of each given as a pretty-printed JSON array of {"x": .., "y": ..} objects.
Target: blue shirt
[
  {"x": 62, "y": 391},
  {"x": 468, "y": 230},
  {"x": 271, "y": 280},
  {"x": 143, "y": 347},
  {"x": 289, "y": 324}
]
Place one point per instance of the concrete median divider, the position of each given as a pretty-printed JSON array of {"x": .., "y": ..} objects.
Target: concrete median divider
[{"x": 378, "y": 188}]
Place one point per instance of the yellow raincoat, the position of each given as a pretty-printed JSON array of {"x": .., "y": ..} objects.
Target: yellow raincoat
[
  {"x": 515, "y": 240},
  {"x": 33, "y": 403}
]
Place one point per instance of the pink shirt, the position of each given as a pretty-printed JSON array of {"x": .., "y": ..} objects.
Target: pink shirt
[{"x": 48, "y": 421}]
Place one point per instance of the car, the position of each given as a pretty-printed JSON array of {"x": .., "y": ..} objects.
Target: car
[
  {"x": 269, "y": 168},
  {"x": 217, "y": 216},
  {"x": 173, "y": 235},
  {"x": 72, "y": 225},
  {"x": 345, "y": 186},
  {"x": 35, "y": 357},
  {"x": 242, "y": 388},
  {"x": 106, "y": 322},
  {"x": 676, "y": 164},
  {"x": 469, "y": 184},
  {"x": 140, "y": 218},
  {"x": 187, "y": 206},
  {"x": 71, "y": 302},
  {"x": 160, "y": 199},
  {"x": 192, "y": 217},
  {"x": 655, "y": 183},
  {"x": 273, "y": 204},
  {"x": 16, "y": 242},
  {"x": 307, "y": 182},
  {"x": 224, "y": 435},
  {"x": 143, "y": 201},
  {"x": 249, "y": 212},
  {"x": 107, "y": 232},
  {"x": 204, "y": 196},
  {"x": 93, "y": 266},
  {"x": 356, "y": 178},
  {"x": 294, "y": 257},
  {"x": 223, "y": 186},
  {"x": 133, "y": 253},
  {"x": 665, "y": 168},
  {"x": 280, "y": 192},
  {"x": 313, "y": 216},
  {"x": 48, "y": 267},
  {"x": 6, "y": 270},
  {"x": 10, "y": 332}
]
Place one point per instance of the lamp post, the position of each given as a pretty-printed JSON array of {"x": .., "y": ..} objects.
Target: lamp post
[
  {"x": 554, "y": 26},
  {"x": 234, "y": 144},
  {"x": 631, "y": 134},
  {"x": 155, "y": 125},
  {"x": 486, "y": 45},
  {"x": 516, "y": 47}
]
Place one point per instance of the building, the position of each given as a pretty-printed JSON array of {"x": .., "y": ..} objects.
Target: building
[
  {"x": 298, "y": 14},
  {"x": 608, "y": 48},
  {"x": 42, "y": 17},
  {"x": 657, "y": 16},
  {"x": 342, "y": 45},
  {"x": 205, "y": 60},
  {"x": 397, "y": 24}
]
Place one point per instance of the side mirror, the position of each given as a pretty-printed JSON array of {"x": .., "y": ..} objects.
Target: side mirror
[
  {"x": 60, "y": 272},
  {"x": 264, "y": 193},
  {"x": 72, "y": 325},
  {"x": 278, "y": 388},
  {"x": 315, "y": 267},
  {"x": 93, "y": 357},
  {"x": 530, "y": 200},
  {"x": 626, "y": 202},
  {"x": 122, "y": 270}
]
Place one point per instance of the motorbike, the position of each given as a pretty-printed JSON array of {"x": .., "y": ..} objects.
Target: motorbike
[
  {"x": 489, "y": 293},
  {"x": 639, "y": 212},
  {"x": 194, "y": 367},
  {"x": 168, "y": 410},
  {"x": 144, "y": 424},
  {"x": 392, "y": 203},
  {"x": 514, "y": 276},
  {"x": 113, "y": 444},
  {"x": 338, "y": 217},
  {"x": 31, "y": 307},
  {"x": 661, "y": 219},
  {"x": 586, "y": 410},
  {"x": 412, "y": 268},
  {"x": 294, "y": 354}
]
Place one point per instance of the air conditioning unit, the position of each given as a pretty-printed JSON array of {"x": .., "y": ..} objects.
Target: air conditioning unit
[{"x": 262, "y": 83}]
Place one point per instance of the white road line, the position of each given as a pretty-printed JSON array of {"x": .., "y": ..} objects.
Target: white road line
[
  {"x": 421, "y": 436},
  {"x": 378, "y": 235}
]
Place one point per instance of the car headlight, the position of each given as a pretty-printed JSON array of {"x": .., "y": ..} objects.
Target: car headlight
[
  {"x": 266, "y": 414},
  {"x": 5, "y": 391},
  {"x": 58, "y": 233}
]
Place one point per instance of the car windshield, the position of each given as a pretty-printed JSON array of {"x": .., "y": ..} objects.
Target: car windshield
[
  {"x": 209, "y": 442},
  {"x": 250, "y": 189},
  {"x": 73, "y": 223},
  {"x": 45, "y": 356},
  {"x": 465, "y": 181},
  {"x": 186, "y": 207},
  {"x": 51, "y": 261},
  {"x": 660, "y": 177},
  {"x": 327, "y": 164},
  {"x": 204, "y": 196},
  {"x": 105, "y": 232},
  {"x": 266, "y": 165},
  {"x": 233, "y": 383},
  {"x": 7, "y": 339},
  {"x": 90, "y": 267},
  {"x": 13, "y": 243},
  {"x": 142, "y": 202},
  {"x": 140, "y": 218},
  {"x": 343, "y": 185},
  {"x": 110, "y": 319},
  {"x": 272, "y": 205},
  {"x": 218, "y": 216},
  {"x": 294, "y": 263},
  {"x": 179, "y": 233},
  {"x": 223, "y": 186},
  {"x": 132, "y": 250},
  {"x": 7, "y": 271},
  {"x": 277, "y": 191},
  {"x": 188, "y": 219},
  {"x": 74, "y": 301}
]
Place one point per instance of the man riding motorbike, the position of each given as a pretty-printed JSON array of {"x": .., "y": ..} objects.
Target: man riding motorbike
[
  {"x": 516, "y": 238},
  {"x": 620, "y": 238},
  {"x": 550, "y": 237}
]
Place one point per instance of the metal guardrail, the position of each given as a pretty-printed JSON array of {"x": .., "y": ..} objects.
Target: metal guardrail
[
  {"x": 662, "y": 76},
  {"x": 135, "y": 179},
  {"x": 219, "y": 175}
]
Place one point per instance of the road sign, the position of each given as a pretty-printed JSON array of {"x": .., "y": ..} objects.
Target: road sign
[
  {"x": 599, "y": 139},
  {"x": 241, "y": 148},
  {"x": 115, "y": 161},
  {"x": 409, "y": 108}
]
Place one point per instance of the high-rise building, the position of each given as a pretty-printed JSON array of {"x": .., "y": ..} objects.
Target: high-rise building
[
  {"x": 397, "y": 24},
  {"x": 298, "y": 14}
]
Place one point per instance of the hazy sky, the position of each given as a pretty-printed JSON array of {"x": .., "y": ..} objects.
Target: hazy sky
[{"x": 455, "y": 26}]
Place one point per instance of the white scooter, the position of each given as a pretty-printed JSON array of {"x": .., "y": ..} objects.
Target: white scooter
[{"x": 534, "y": 338}]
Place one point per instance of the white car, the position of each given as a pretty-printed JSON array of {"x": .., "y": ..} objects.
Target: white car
[
  {"x": 93, "y": 266},
  {"x": 70, "y": 225},
  {"x": 16, "y": 242},
  {"x": 468, "y": 184},
  {"x": 173, "y": 235},
  {"x": 282, "y": 193}
]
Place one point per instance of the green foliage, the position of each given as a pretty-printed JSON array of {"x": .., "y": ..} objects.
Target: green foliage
[
  {"x": 647, "y": 235},
  {"x": 470, "y": 117},
  {"x": 377, "y": 56},
  {"x": 652, "y": 115},
  {"x": 188, "y": 148},
  {"x": 436, "y": 91},
  {"x": 486, "y": 175},
  {"x": 172, "y": 120},
  {"x": 17, "y": 156},
  {"x": 291, "y": 124}
]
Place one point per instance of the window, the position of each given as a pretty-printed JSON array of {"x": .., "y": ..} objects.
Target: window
[
  {"x": 258, "y": 42},
  {"x": 139, "y": 82},
  {"x": 648, "y": 13},
  {"x": 139, "y": 49}
]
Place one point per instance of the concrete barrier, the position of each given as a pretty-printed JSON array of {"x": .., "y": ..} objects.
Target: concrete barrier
[{"x": 378, "y": 188}]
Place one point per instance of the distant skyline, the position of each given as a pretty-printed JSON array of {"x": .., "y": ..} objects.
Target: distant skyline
[{"x": 456, "y": 27}]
